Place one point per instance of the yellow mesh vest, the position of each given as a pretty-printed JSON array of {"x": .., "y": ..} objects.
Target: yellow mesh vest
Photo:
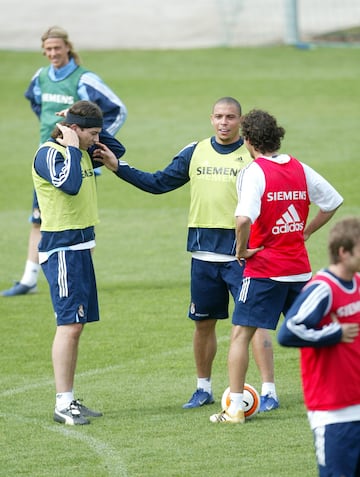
[
  {"x": 61, "y": 211},
  {"x": 213, "y": 185}
]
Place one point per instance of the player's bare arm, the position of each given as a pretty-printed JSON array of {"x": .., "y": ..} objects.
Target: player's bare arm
[
  {"x": 243, "y": 225},
  {"x": 317, "y": 222}
]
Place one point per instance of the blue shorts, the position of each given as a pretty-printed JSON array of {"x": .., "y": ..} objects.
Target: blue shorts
[
  {"x": 72, "y": 283},
  {"x": 211, "y": 283},
  {"x": 35, "y": 217},
  {"x": 337, "y": 448},
  {"x": 261, "y": 301}
]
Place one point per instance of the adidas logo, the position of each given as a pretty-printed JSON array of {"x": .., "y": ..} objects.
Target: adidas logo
[{"x": 289, "y": 222}]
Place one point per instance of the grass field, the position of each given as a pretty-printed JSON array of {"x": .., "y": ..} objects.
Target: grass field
[{"x": 136, "y": 365}]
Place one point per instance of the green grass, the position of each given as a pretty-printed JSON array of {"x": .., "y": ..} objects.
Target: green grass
[{"x": 137, "y": 364}]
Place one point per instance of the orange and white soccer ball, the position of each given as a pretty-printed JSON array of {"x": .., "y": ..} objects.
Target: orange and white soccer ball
[{"x": 251, "y": 400}]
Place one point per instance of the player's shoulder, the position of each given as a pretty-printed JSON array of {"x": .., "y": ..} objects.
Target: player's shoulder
[
  {"x": 38, "y": 72},
  {"x": 253, "y": 169},
  {"x": 189, "y": 148},
  {"x": 88, "y": 76},
  {"x": 320, "y": 283}
]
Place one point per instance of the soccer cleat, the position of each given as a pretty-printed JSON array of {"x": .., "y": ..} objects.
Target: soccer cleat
[
  {"x": 268, "y": 403},
  {"x": 85, "y": 411},
  {"x": 71, "y": 415},
  {"x": 19, "y": 289},
  {"x": 225, "y": 418},
  {"x": 198, "y": 399}
]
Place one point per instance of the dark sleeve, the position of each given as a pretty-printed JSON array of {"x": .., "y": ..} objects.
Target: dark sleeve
[
  {"x": 30, "y": 96},
  {"x": 175, "y": 175},
  {"x": 112, "y": 143},
  {"x": 93, "y": 88},
  {"x": 302, "y": 324},
  {"x": 62, "y": 173}
]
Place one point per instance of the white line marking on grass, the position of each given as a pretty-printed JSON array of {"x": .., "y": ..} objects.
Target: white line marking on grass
[
  {"x": 50, "y": 382},
  {"x": 111, "y": 458},
  {"x": 93, "y": 372}
]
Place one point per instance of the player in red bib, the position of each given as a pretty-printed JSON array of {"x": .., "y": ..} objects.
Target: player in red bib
[
  {"x": 324, "y": 322},
  {"x": 274, "y": 196}
]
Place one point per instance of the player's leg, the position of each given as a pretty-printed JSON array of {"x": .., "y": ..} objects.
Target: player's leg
[
  {"x": 256, "y": 295},
  {"x": 28, "y": 281},
  {"x": 205, "y": 347},
  {"x": 238, "y": 362},
  {"x": 264, "y": 357},
  {"x": 32, "y": 268},
  {"x": 64, "y": 356},
  {"x": 209, "y": 302},
  {"x": 71, "y": 279},
  {"x": 261, "y": 342}
]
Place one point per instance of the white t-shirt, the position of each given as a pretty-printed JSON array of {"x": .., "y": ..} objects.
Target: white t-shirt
[{"x": 251, "y": 186}]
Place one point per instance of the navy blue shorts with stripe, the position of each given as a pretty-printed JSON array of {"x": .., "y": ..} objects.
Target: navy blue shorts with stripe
[
  {"x": 211, "y": 285},
  {"x": 72, "y": 283},
  {"x": 337, "y": 448},
  {"x": 262, "y": 300}
]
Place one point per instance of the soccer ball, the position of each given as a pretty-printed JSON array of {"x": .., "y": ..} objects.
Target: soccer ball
[{"x": 251, "y": 400}]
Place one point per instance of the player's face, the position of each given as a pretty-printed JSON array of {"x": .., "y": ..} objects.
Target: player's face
[
  {"x": 226, "y": 123},
  {"x": 56, "y": 51},
  {"x": 87, "y": 137}
]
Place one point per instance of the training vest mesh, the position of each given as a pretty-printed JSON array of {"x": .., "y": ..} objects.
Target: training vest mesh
[
  {"x": 56, "y": 96},
  {"x": 213, "y": 185},
  {"x": 61, "y": 211}
]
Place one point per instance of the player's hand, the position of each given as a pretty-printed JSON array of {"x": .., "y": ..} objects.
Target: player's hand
[
  {"x": 247, "y": 253},
  {"x": 349, "y": 332},
  {"x": 69, "y": 136},
  {"x": 104, "y": 155},
  {"x": 62, "y": 113}
]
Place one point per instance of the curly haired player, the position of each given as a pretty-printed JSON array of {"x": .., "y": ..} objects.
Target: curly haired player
[{"x": 274, "y": 196}]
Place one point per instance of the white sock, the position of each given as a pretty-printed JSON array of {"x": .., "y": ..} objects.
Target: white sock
[
  {"x": 205, "y": 384},
  {"x": 63, "y": 400},
  {"x": 236, "y": 403},
  {"x": 269, "y": 388},
  {"x": 31, "y": 273}
]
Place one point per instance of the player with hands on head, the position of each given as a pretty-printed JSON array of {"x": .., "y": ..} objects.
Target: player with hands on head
[
  {"x": 274, "y": 196},
  {"x": 324, "y": 322},
  {"x": 101, "y": 154},
  {"x": 54, "y": 88},
  {"x": 64, "y": 181}
]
